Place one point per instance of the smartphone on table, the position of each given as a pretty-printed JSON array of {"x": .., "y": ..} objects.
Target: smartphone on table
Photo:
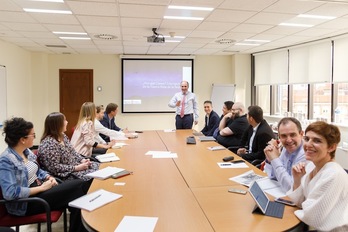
[{"x": 284, "y": 201}]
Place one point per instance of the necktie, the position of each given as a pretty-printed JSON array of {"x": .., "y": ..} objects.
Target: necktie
[{"x": 182, "y": 112}]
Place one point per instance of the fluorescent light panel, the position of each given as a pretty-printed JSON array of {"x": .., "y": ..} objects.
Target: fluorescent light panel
[
  {"x": 47, "y": 11},
  {"x": 247, "y": 44},
  {"x": 76, "y": 38},
  {"x": 315, "y": 16},
  {"x": 257, "y": 40},
  {"x": 47, "y": 1},
  {"x": 295, "y": 25},
  {"x": 175, "y": 37},
  {"x": 190, "y": 8},
  {"x": 69, "y": 33},
  {"x": 183, "y": 18}
]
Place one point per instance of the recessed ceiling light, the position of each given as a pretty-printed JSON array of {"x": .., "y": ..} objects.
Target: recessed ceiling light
[
  {"x": 295, "y": 25},
  {"x": 225, "y": 41},
  {"x": 47, "y": 11},
  {"x": 183, "y": 18},
  {"x": 105, "y": 36},
  {"x": 172, "y": 41},
  {"x": 315, "y": 16},
  {"x": 69, "y": 33},
  {"x": 190, "y": 8},
  {"x": 77, "y": 38}
]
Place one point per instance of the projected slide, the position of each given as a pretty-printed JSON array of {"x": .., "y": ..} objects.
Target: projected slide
[{"x": 148, "y": 85}]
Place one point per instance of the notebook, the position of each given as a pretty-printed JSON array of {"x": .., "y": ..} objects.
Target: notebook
[
  {"x": 108, "y": 157},
  {"x": 94, "y": 200},
  {"x": 206, "y": 138},
  {"x": 267, "y": 207}
]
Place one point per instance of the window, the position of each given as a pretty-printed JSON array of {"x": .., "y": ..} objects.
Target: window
[
  {"x": 281, "y": 99},
  {"x": 322, "y": 102},
  {"x": 300, "y": 100},
  {"x": 341, "y": 111}
]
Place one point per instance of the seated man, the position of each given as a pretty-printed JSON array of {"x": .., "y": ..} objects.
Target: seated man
[
  {"x": 232, "y": 126},
  {"x": 279, "y": 163},
  {"x": 256, "y": 137},
  {"x": 226, "y": 108},
  {"x": 211, "y": 119},
  {"x": 108, "y": 120}
]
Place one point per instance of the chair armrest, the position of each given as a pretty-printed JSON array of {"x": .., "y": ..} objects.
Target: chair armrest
[{"x": 33, "y": 199}]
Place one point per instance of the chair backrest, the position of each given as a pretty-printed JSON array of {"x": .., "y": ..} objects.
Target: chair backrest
[{"x": 3, "y": 210}]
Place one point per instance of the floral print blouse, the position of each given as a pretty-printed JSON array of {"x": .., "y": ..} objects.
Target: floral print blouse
[{"x": 59, "y": 159}]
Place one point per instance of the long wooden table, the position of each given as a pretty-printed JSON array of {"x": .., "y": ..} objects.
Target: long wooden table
[{"x": 188, "y": 193}]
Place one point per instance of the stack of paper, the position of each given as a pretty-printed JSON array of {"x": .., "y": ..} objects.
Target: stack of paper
[
  {"x": 216, "y": 148},
  {"x": 94, "y": 200},
  {"x": 108, "y": 157},
  {"x": 105, "y": 172}
]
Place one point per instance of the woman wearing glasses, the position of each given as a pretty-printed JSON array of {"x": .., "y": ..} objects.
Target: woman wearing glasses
[
  {"x": 21, "y": 176},
  {"x": 58, "y": 156},
  {"x": 321, "y": 187}
]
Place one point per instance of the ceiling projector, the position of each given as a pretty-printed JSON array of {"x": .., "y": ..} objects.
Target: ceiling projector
[{"x": 155, "y": 38}]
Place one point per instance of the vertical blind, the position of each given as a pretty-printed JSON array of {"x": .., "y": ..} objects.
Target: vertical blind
[{"x": 271, "y": 68}]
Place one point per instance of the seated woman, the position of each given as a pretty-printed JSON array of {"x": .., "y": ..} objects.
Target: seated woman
[
  {"x": 21, "y": 177},
  {"x": 57, "y": 155},
  {"x": 83, "y": 139},
  {"x": 321, "y": 187}
]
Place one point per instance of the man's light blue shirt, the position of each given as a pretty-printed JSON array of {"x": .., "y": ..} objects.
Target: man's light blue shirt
[{"x": 280, "y": 168}]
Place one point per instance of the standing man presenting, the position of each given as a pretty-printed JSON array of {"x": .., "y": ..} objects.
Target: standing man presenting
[{"x": 186, "y": 107}]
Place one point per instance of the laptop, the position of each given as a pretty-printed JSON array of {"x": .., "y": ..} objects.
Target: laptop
[{"x": 267, "y": 207}]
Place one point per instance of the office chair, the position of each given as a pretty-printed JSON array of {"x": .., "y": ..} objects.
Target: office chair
[{"x": 48, "y": 217}]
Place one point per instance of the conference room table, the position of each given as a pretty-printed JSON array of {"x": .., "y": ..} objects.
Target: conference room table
[{"x": 187, "y": 193}]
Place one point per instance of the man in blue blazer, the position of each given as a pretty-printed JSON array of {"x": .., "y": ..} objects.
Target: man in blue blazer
[
  {"x": 211, "y": 119},
  {"x": 256, "y": 137}
]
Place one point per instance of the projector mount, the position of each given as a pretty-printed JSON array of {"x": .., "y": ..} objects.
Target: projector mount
[{"x": 156, "y": 37}]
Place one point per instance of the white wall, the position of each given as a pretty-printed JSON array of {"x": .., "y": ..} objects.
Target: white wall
[{"x": 33, "y": 84}]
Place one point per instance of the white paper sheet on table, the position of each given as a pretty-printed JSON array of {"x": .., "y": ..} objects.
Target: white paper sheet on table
[
  {"x": 271, "y": 187},
  {"x": 157, "y": 153},
  {"x": 134, "y": 224},
  {"x": 165, "y": 155}
]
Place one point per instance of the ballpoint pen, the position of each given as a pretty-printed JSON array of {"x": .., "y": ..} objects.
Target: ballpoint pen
[{"x": 95, "y": 198}]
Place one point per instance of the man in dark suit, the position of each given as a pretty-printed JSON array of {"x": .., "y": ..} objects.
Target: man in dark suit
[
  {"x": 256, "y": 137},
  {"x": 211, "y": 119}
]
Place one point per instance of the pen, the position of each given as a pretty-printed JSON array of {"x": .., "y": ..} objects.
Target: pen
[
  {"x": 237, "y": 161},
  {"x": 94, "y": 198},
  {"x": 228, "y": 164}
]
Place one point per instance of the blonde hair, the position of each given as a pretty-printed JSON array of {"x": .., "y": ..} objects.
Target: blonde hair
[{"x": 87, "y": 113}]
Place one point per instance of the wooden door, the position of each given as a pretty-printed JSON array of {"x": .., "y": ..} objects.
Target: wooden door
[{"x": 75, "y": 88}]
